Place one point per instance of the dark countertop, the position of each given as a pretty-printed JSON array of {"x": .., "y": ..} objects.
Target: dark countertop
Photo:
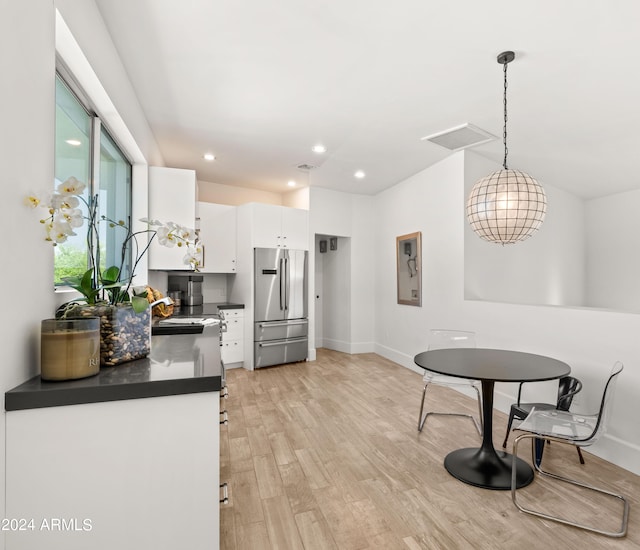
[{"x": 176, "y": 365}]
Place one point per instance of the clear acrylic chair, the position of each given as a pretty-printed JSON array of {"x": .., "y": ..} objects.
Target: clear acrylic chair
[
  {"x": 568, "y": 386},
  {"x": 580, "y": 430},
  {"x": 442, "y": 339}
]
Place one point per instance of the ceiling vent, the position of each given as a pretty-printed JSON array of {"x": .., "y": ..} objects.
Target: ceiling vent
[
  {"x": 305, "y": 167},
  {"x": 460, "y": 137}
]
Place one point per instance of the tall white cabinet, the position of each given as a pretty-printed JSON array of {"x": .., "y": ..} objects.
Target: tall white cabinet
[{"x": 172, "y": 197}]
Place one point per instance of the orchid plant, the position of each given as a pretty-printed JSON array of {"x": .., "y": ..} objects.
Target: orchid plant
[{"x": 112, "y": 285}]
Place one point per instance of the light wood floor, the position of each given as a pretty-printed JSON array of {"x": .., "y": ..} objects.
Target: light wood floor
[{"x": 326, "y": 454}]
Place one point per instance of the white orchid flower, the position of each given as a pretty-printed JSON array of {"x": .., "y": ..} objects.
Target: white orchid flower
[
  {"x": 71, "y": 186},
  {"x": 193, "y": 257},
  {"x": 59, "y": 201},
  {"x": 73, "y": 217},
  {"x": 32, "y": 201},
  {"x": 58, "y": 231},
  {"x": 187, "y": 233},
  {"x": 166, "y": 237},
  {"x": 61, "y": 226}
]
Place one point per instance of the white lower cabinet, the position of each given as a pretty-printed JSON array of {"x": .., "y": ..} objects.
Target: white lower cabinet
[
  {"x": 132, "y": 474},
  {"x": 233, "y": 338}
]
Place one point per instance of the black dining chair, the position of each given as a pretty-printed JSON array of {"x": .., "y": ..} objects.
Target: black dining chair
[
  {"x": 580, "y": 430},
  {"x": 568, "y": 387}
]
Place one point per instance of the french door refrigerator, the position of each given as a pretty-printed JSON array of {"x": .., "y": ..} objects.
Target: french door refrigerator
[{"x": 280, "y": 306}]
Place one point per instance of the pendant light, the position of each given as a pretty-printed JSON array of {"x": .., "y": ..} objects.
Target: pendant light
[{"x": 506, "y": 206}]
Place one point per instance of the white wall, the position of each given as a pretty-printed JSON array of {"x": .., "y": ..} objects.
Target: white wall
[
  {"x": 228, "y": 194},
  {"x": 613, "y": 258},
  {"x": 297, "y": 199},
  {"x": 26, "y": 152},
  {"x": 345, "y": 215},
  {"x": 588, "y": 340},
  {"x": 336, "y": 292}
]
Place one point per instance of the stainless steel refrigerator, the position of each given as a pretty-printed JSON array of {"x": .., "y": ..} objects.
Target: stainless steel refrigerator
[{"x": 280, "y": 306}]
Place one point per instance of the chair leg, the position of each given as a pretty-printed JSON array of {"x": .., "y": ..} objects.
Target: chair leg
[
  {"x": 422, "y": 418},
  {"x": 511, "y": 416},
  {"x": 479, "y": 427},
  {"x": 580, "y": 455},
  {"x": 538, "y": 444},
  {"x": 625, "y": 512}
]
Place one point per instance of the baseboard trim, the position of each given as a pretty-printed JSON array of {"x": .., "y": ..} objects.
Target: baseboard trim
[{"x": 348, "y": 347}]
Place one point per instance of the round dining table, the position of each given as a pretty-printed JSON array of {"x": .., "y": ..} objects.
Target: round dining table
[{"x": 485, "y": 467}]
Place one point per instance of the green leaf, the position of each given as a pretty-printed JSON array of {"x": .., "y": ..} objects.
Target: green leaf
[
  {"x": 139, "y": 304},
  {"x": 84, "y": 285},
  {"x": 111, "y": 275}
]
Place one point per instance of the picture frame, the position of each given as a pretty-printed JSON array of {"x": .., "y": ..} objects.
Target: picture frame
[{"x": 409, "y": 269}]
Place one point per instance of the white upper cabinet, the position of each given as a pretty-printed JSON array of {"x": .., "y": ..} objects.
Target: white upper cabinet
[
  {"x": 172, "y": 197},
  {"x": 279, "y": 227},
  {"x": 218, "y": 237}
]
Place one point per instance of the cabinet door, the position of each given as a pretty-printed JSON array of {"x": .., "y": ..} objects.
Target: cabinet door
[
  {"x": 235, "y": 329},
  {"x": 295, "y": 228},
  {"x": 218, "y": 236},
  {"x": 172, "y": 197},
  {"x": 128, "y": 474},
  {"x": 232, "y": 352},
  {"x": 267, "y": 226}
]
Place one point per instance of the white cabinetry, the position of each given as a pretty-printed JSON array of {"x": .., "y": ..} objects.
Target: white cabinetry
[
  {"x": 132, "y": 474},
  {"x": 279, "y": 227},
  {"x": 218, "y": 236},
  {"x": 233, "y": 339},
  {"x": 172, "y": 197}
]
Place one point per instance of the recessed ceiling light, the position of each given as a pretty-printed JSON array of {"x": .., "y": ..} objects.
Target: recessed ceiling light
[
  {"x": 209, "y": 156},
  {"x": 359, "y": 174},
  {"x": 291, "y": 183},
  {"x": 74, "y": 142},
  {"x": 319, "y": 148}
]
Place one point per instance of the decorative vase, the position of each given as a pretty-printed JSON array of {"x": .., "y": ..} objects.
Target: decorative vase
[
  {"x": 124, "y": 334},
  {"x": 69, "y": 348}
]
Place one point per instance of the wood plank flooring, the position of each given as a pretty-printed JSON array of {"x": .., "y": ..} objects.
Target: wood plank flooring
[{"x": 326, "y": 455}]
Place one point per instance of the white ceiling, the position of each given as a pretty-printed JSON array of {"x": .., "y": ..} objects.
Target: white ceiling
[{"x": 259, "y": 82}]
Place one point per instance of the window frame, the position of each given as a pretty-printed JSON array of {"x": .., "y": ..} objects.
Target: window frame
[{"x": 96, "y": 128}]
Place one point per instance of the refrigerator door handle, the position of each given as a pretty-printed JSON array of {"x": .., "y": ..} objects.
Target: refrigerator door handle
[
  {"x": 281, "y": 280},
  {"x": 280, "y": 342},
  {"x": 286, "y": 282},
  {"x": 283, "y": 323}
]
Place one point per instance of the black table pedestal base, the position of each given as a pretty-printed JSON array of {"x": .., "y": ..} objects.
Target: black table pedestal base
[{"x": 489, "y": 469}]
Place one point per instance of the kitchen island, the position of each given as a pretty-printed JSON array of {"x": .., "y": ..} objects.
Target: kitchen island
[{"x": 126, "y": 459}]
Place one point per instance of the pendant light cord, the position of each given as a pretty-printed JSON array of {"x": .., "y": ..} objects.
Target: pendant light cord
[{"x": 504, "y": 130}]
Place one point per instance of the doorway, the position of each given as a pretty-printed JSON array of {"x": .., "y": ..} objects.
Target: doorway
[{"x": 332, "y": 292}]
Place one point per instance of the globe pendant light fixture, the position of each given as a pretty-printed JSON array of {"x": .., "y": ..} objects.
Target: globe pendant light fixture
[{"x": 506, "y": 206}]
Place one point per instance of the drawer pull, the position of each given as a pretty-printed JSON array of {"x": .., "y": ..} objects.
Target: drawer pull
[
  {"x": 225, "y": 493},
  {"x": 225, "y": 417},
  {"x": 224, "y": 394}
]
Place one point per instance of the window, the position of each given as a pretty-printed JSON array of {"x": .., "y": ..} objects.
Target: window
[{"x": 78, "y": 134}]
